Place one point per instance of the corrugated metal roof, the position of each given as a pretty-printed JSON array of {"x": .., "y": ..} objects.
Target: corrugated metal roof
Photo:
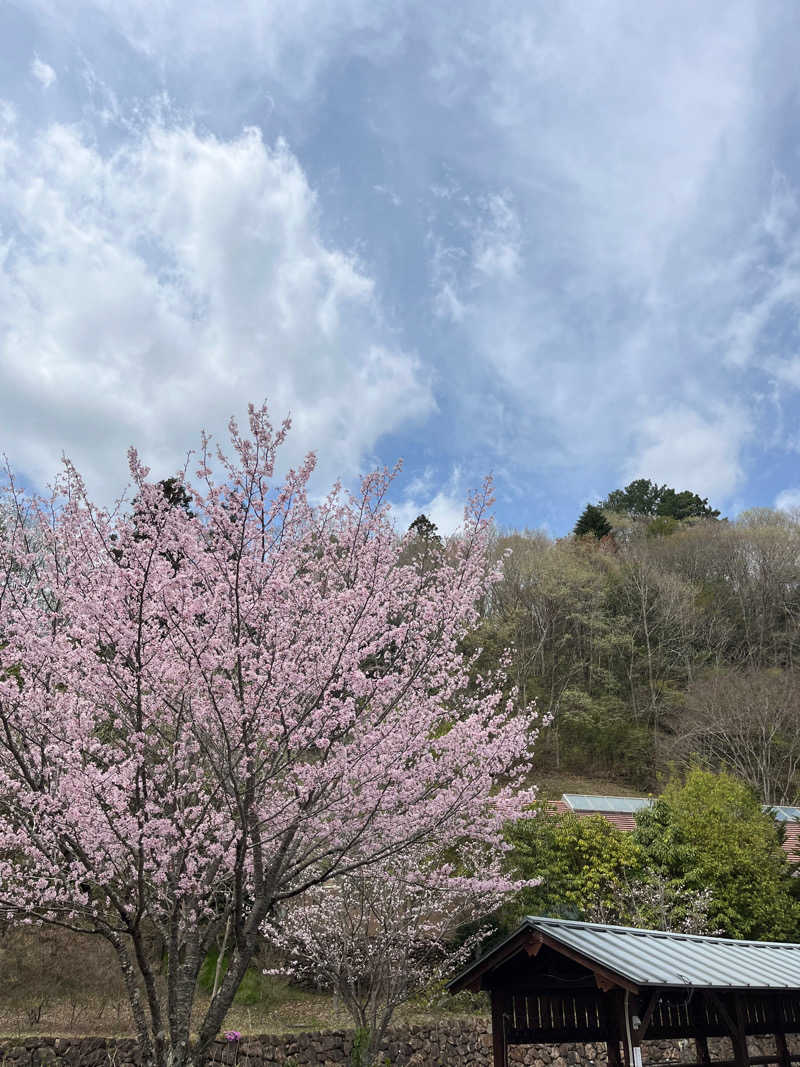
[
  {"x": 621, "y": 812},
  {"x": 783, "y": 812},
  {"x": 656, "y": 958},
  {"x": 585, "y": 802}
]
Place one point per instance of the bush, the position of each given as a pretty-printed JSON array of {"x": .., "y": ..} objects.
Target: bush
[{"x": 711, "y": 832}]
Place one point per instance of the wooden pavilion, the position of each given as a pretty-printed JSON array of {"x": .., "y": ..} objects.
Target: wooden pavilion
[{"x": 556, "y": 981}]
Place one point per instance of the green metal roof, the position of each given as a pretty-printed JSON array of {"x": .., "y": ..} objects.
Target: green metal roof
[
  {"x": 657, "y": 958},
  {"x": 784, "y": 812},
  {"x": 585, "y": 802}
]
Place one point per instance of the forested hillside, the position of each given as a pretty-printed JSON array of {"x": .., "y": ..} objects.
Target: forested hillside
[{"x": 658, "y": 641}]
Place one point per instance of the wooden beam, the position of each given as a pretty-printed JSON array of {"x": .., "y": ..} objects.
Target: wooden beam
[
  {"x": 734, "y": 1020},
  {"x": 722, "y": 1008},
  {"x": 609, "y": 976},
  {"x": 530, "y": 941},
  {"x": 473, "y": 981},
  {"x": 604, "y": 983},
  {"x": 641, "y": 1029},
  {"x": 532, "y": 947}
]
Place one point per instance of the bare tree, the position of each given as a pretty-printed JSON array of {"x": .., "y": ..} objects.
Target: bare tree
[{"x": 749, "y": 721}]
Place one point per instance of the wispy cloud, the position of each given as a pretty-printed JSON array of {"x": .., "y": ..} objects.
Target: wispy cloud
[
  {"x": 788, "y": 500},
  {"x": 43, "y": 72}
]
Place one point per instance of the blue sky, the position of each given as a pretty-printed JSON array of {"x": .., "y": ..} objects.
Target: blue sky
[{"x": 555, "y": 242}]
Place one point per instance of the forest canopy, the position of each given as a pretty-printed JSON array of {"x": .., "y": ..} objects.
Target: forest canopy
[{"x": 647, "y": 651}]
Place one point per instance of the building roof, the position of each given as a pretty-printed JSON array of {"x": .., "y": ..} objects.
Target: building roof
[
  {"x": 791, "y": 841},
  {"x": 621, "y": 811},
  {"x": 605, "y": 804},
  {"x": 784, "y": 812},
  {"x": 654, "y": 958}
]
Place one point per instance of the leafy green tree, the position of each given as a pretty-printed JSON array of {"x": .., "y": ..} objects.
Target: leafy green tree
[
  {"x": 582, "y": 863},
  {"x": 710, "y": 832},
  {"x": 684, "y": 505},
  {"x": 592, "y": 521},
  {"x": 643, "y": 498},
  {"x": 590, "y": 869}
]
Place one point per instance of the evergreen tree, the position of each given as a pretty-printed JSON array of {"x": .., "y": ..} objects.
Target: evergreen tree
[
  {"x": 711, "y": 832},
  {"x": 643, "y": 498},
  {"x": 640, "y": 497},
  {"x": 684, "y": 505},
  {"x": 592, "y": 521},
  {"x": 424, "y": 528}
]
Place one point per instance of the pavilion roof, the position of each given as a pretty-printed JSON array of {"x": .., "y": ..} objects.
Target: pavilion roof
[{"x": 653, "y": 958}]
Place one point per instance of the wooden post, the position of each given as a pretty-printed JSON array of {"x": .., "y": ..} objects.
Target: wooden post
[
  {"x": 612, "y": 1029},
  {"x": 703, "y": 1055},
  {"x": 614, "y": 1058},
  {"x": 699, "y": 1017},
  {"x": 743, "y": 1057},
  {"x": 499, "y": 1056},
  {"x": 631, "y": 1049},
  {"x": 782, "y": 1049}
]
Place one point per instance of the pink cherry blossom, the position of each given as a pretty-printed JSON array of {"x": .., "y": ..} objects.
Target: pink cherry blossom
[{"x": 206, "y": 711}]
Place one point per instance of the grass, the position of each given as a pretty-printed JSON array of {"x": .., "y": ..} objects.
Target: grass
[
  {"x": 552, "y": 785},
  {"x": 297, "y": 1011},
  {"x": 58, "y": 984}
]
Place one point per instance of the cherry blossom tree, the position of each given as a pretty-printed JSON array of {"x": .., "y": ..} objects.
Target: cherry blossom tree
[
  {"x": 217, "y": 698},
  {"x": 383, "y": 933}
]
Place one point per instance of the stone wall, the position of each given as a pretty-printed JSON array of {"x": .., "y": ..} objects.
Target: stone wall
[
  {"x": 456, "y": 1043},
  {"x": 653, "y": 1052}
]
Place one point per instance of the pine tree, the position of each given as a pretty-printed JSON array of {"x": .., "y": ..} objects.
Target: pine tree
[
  {"x": 424, "y": 528},
  {"x": 592, "y": 521}
]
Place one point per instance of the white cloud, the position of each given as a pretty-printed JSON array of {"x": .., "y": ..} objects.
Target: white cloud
[
  {"x": 43, "y": 72},
  {"x": 788, "y": 500},
  {"x": 444, "y": 507},
  {"x": 151, "y": 291},
  {"x": 605, "y": 237},
  {"x": 628, "y": 146},
  {"x": 496, "y": 250},
  {"x": 766, "y": 274},
  {"x": 689, "y": 450}
]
